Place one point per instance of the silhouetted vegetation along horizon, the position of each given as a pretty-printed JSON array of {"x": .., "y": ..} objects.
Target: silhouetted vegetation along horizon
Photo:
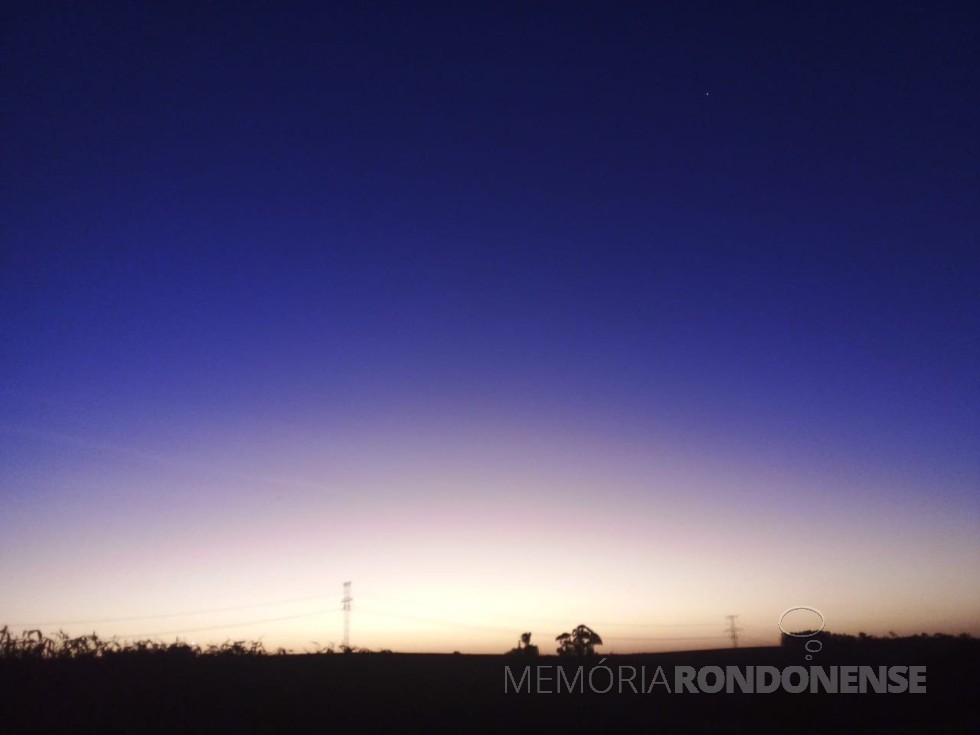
[
  {"x": 34, "y": 645},
  {"x": 864, "y": 642}
]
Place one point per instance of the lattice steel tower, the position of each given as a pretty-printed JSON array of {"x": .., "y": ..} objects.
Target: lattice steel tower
[
  {"x": 346, "y": 601},
  {"x": 733, "y": 630}
]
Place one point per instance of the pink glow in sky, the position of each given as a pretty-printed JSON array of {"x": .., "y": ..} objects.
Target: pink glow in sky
[{"x": 462, "y": 537}]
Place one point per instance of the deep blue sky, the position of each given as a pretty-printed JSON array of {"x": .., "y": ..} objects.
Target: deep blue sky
[{"x": 750, "y": 227}]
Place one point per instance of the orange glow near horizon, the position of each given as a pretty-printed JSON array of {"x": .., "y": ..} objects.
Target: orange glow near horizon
[{"x": 451, "y": 556}]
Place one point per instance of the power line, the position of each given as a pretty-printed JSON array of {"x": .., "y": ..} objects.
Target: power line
[
  {"x": 230, "y": 625},
  {"x": 560, "y": 623},
  {"x": 172, "y": 615},
  {"x": 664, "y": 638},
  {"x": 470, "y": 626},
  {"x": 656, "y": 625},
  {"x": 421, "y": 619}
]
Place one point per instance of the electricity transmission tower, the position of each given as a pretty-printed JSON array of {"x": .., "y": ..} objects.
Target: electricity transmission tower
[
  {"x": 733, "y": 630},
  {"x": 346, "y": 601}
]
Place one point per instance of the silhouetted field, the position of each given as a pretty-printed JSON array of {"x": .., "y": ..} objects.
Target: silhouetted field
[{"x": 236, "y": 690}]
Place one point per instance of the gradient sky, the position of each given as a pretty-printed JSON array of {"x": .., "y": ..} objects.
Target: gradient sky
[{"x": 517, "y": 315}]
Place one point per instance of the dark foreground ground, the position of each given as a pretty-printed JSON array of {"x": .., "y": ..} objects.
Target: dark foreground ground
[{"x": 394, "y": 692}]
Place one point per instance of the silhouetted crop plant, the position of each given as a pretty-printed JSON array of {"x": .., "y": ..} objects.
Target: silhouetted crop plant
[
  {"x": 321, "y": 650},
  {"x": 31, "y": 644},
  {"x": 34, "y": 645},
  {"x": 237, "y": 648}
]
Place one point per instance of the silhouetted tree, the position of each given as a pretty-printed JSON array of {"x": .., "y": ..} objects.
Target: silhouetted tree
[
  {"x": 580, "y": 642},
  {"x": 524, "y": 647}
]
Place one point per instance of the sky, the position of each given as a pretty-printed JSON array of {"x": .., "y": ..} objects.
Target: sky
[{"x": 515, "y": 315}]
